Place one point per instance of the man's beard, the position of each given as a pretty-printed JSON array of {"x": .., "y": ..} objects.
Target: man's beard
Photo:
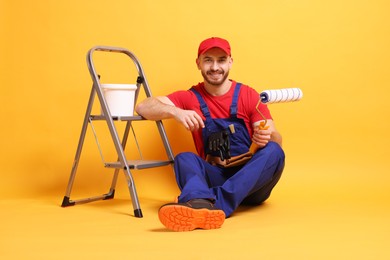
[{"x": 209, "y": 80}]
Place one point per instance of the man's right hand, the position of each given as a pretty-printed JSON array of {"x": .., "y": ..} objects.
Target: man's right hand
[{"x": 189, "y": 119}]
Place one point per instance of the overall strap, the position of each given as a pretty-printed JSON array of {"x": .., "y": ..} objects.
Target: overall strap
[
  {"x": 203, "y": 105},
  {"x": 233, "y": 107}
]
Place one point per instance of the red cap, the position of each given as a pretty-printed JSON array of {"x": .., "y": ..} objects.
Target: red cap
[{"x": 214, "y": 42}]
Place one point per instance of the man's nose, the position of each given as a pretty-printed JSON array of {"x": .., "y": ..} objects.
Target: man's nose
[{"x": 214, "y": 65}]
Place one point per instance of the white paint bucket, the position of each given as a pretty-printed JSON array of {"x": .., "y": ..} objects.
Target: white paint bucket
[{"x": 120, "y": 98}]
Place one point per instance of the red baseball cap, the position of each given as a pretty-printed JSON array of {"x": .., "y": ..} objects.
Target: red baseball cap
[{"x": 214, "y": 42}]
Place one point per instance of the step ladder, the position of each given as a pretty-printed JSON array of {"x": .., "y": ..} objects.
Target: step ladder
[{"x": 120, "y": 144}]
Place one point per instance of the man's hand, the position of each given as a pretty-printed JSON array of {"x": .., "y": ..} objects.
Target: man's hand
[
  {"x": 189, "y": 119},
  {"x": 261, "y": 137}
]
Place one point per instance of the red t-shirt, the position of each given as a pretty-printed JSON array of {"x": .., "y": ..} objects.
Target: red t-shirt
[{"x": 219, "y": 107}]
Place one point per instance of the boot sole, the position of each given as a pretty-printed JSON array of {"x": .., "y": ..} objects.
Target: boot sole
[{"x": 182, "y": 218}]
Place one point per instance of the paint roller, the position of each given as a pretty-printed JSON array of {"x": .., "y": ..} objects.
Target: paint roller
[{"x": 271, "y": 97}]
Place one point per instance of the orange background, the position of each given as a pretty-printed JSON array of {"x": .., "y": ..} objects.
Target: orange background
[{"x": 337, "y": 52}]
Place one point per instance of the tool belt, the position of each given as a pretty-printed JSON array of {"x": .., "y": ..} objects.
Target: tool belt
[{"x": 232, "y": 162}]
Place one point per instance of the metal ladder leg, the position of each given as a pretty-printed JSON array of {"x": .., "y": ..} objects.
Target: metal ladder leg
[
  {"x": 133, "y": 194},
  {"x": 66, "y": 201},
  {"x": 116, "y": 171},
  {"x": 122, "y": 158},
  {"x": 129, "y": 179}
]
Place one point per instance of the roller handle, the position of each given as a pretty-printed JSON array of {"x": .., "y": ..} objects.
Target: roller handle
[{"x": 254, "y": 147}]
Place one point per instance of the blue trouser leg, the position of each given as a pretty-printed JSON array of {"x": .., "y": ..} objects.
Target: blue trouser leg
[
  {"x": 192, "y": 177},
  {"x": 230, "y": 186},
  {"x": 255, "y": 179}
]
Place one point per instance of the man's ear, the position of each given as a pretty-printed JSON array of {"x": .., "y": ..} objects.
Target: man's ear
[{"x": 197, "y": 62}]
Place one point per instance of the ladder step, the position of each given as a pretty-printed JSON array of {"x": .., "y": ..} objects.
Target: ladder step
[
  {"x": 139, "y": 164},
  {"x": 118, "y": 118}
]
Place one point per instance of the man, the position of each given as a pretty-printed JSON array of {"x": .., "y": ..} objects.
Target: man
[{"x": 224, "y": 118}]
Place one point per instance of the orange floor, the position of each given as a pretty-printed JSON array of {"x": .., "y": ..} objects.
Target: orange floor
[{"x": 309, "y": 216}]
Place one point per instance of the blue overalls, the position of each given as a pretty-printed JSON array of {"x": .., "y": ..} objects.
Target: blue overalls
[{"x": 251, "y": 183}]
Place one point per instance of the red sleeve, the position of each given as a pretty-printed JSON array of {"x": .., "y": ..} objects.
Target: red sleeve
[{"x": 180, "y": 98}]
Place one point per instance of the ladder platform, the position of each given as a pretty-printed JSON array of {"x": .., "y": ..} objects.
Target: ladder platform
[
  {"x": 117, "y": 118},
  {"x": 139, "y": 164}
]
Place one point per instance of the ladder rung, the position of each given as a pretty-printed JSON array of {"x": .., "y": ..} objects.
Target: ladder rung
[{"x": 139, "y": 164}]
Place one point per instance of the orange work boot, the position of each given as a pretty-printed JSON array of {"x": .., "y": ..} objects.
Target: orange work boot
[{"x": 196, "y": 213}]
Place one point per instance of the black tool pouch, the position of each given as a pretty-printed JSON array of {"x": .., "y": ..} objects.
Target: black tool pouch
[{"x": 219, "y": 145}]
